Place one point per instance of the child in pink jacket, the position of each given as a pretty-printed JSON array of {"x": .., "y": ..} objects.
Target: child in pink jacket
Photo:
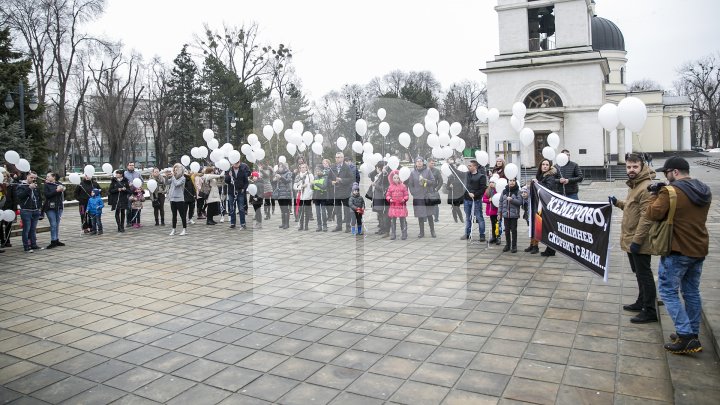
[
  {"x": 397, "y": 195},
  {"x": 491, "y": 211}
]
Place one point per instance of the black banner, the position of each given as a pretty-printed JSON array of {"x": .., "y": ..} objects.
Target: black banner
[{"x": 577, "y": 229}]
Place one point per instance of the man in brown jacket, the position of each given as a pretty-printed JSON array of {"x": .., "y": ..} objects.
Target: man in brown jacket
[
  {"x": 683, "y": 267},
  {"x": 634, "y": 237}
]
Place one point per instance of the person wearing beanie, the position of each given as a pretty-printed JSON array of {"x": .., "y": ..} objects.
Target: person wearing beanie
[
  {"x": 397, "y": 196},
  {"x": 82, "y": 195},
  {"x": 319, "y": 187},
  {"x": 94, "y": 209},
  {"x": 510, "y": 203},
  {"x": 357, "y": 205},
  {"x": 380, "y": 183},
  {"x": 499, "y": 168},
  {"x": 118, "y": 198},
  {"x": 303, "y": 187}
]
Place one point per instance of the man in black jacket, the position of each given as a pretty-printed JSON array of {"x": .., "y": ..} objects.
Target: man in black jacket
[
  {"x": 30, "y": 202},
  {"x": 570, "y": 176},
  {"x": 342, "y": 187},
  {"x": 475, "y": 182},
  {"x": 236, "y": 180}
]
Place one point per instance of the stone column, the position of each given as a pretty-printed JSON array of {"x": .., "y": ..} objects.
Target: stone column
[
  {"x": 622, "y": 149},
  {"x": 614, "y": 144},
  {"x": 686, "y": 143},
  {"x": 673, "y": 134}
]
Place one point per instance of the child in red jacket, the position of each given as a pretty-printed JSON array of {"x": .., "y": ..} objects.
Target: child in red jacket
[
  {"x": 397, "y": 195},
  {"x": 491, "y": 210}
]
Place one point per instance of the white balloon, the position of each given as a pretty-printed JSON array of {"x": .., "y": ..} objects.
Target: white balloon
[
  {"x": 213, "y": 144},
  {"x": 553, "y": 140},
  {"x": 341, "y": 143},
  {"x": 2, "y": 177},
  {"x": 195, "y": 167},
  {"x": 500, "y": 184},
  {"x": 433, "y": 141},
  {"x": 562, "y": 159},
  {"x": 455, "y": 141},
  {"x": 227, "y": 147},
  {"x": 24, "y": 166},
  {"x": 208, "y": 134},
  {"x": 444, "y": 139},
  {"x": 404, "y": 173},
  {"x": 259, "y": 154},
  {"x": 357, "y": 147},
  {"x": 9, "y": 216},
  {"x": 517, "y": 123},
  {"x": 107, "y": 168},
  {"x": 185, "y": 160},
  {"x": 437, "y": 153},
  {"x": 291, "y": 149},
  {"x": 393, "y": 162},
  {"x": 298, "y": 127},
  {"x": 256, "y": 147},
  {"x": 288, "y": 135},
  {"x": 89, "y": 170},
  {"x": 496, "y": 199},
  {"x": 152, "y": 185},
  {"x": 251, "y": 157},
  {"x": 223, "y": 164},
  {"x": 461, "y": 146},
  {"x": 317, "y": 148},
  {"x": 548, "y": 153},
  {"x": 268, "y": 132},
  {"x": 252, "y": 139},
  {"x": 511, "y": 170},
  {"x": 281, "y": 159},
  {"x": 361, "y": 127},
  {"x": 482, "y": 157},
  {"x": 252, "y": 189},
  {"x": 527, "y": 136},
  {"x": 404, "y": 139},
  {"x": 297, "y": 139},
  {"x": 245, "y": 149},
  {"x": 302, "y": 147},
  {"x": 234, "y": 156},
  {"x": 368, "y": 147},
  {"x": 12, "y": 157},
  {"x": 195, "y": 153},
  {"x": 418, "y": 130},
  {"x": 307, "y": 138},
  {"x": 482, "y": 113},
  {"x": 632, "y": 113},
  {"x": 381, "y": 114},
  {"x": 445, "y": 169},
  {"x": 366, "y": 167},
  {"x": 74, "y": 178},
  {"x": 493, "y": 115},
  {"x": 278, "y": 126},
  {"x": 137, "y": 183},
  {"x": 462, "y": 168},
  {"x": 384, "y": 128},
  {"x": 608, "y": 116},
  {"x": 203, "y": 152},
  {"x": 443, "y": 128},
  {"x": 376, "y": 158},
  {"x": 434, "y": 114},
  {"x": 455, "y": 128},
  {"x": 494, "y": 177},
  {"x": 217, "y": 155},
  {"x": 430, "y": 126},
  {"x": 319, "y": 138},
  {"x": 519, "y": 110}
]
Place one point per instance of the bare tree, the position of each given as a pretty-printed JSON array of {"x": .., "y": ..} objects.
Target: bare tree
[
  {"x": 159, "y": 109},
  {"x": 700, "y": 81},
  {"x": 644, "y": 85}
]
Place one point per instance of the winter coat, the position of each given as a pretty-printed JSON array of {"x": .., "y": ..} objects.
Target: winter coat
[
  {"x": 303, "y": 186},
  {"x": 635, "y": 225},
  {"x": 259, "y": 184},
  {"x": 197, "y": 181},
  {"x": 454, "y": 186},
  {"x": 397, "y": 195},
  {"x": 130, "y": 176},
  {"x": 214, "y": 195},
  {"x": 379, "y": 190},
  {"x": 239, "y": 180},
  {"x": 189, "y": 191},
  {"x": 8, "y": 192},
  {"x": 53, "y": 197},
  {"x": 116, "y": 198},
  {"x": 511, "y": 209},
  {"x": 690, "y": 234},
  {"x": 344, "y": 177},
  {"x": 161, "y": 187},
  {"x": 356, "y": 201},
  {"x": 571, "y": 171},
  {"x": 475, "y": 184},
  {"x": 175, "y": 188},
  {"x": 83, "y": 190},
  {"x": 434, "y": 192},
  {"x": 137, "y": 198},
  {"x": 319, "y": 187},
  {"x": 95, "y": 205},
  {"x": 550, "y": 179},
  {"x": 500, "y": 171},
  {"x": 490, "y": 208},
  {"x": 284, "y": 185},
  {"x": 28, "y": 198},
  {"x": 420, "y": 190},
  {"x": 266, "y": 176}
]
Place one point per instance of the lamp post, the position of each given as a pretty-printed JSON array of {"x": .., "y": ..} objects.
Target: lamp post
[
  {"x": 33, "y": 104},
  {"x": 230, "y": 121}
]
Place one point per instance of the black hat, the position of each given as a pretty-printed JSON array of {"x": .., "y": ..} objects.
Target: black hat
[{"x": 675, "y": 162}]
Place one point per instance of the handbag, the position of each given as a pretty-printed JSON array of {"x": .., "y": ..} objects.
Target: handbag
[
  {"x": 660, "y": 233},
  {"x": 369, "y": 193}
]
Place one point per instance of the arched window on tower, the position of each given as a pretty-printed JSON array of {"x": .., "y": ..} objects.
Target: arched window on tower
[
  {"x": 543, "y": 98},
  {"x": 622, "y": 75}
]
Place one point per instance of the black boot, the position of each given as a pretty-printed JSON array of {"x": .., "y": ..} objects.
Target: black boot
[
  {"x": 287, "y": 220},
  {"x": 645, "y": 316},
  {"x": 421, "y": 222},
  {"x": 393, "y": 229},
  {"x": 535, "y": 249},
  {"x": 403, "y": 228},
  {"x": 684, "y": 344},
  {"x": 431, "y": 224}
]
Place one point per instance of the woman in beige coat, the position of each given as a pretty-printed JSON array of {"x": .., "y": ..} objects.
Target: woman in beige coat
[{"x": 213, "y": 199}]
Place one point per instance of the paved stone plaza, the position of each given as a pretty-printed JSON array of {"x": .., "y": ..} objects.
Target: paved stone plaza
[{"x": 281, "y": 316}]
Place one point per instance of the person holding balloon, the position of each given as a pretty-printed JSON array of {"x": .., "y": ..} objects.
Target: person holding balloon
[
  {"x": 455, "y": 190},
  {"x": 491, "y": 210},
  {"x": 136, "y": 203},
  {"x": 53, "y": 207},
  {"x": 176, "y": 193},
  {"x": 30, "y": 202},
  {"x": 397, "y": 196},
  {"x": 256, "y": 190},
  {"x": 475, "y": 182},
  {"x": 213, "y": 198},
  {"x": 118, "y": 198},
  {"x": 380, "y": 184},
  {"x": 547, "y": 176},
  {"x": 156, "y": 186},
  {"x": 499, "y": 168},
  {"x": 420, "y": 184},
  {"x": 570, "y": 175},
  {"x": 303, "y": 186},
  {"x": 131, "y": 174},
  {"x": 8, "y": 204},
  {"x": 83, "y": 191},
  {"x": 510, "y": 204},
  {"x": 283, "y": 193},
  {"x": 94, "y": 210},
  {"x": 237, "y": 181}
]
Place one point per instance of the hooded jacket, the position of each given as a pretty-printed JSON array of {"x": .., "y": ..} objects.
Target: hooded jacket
[
  {"x": 511, "y": 209},
  {"x": 319, "y": 187},
  {"x": 550, "y": 179},
  {"x": 356, "y": 201},
  {"x": 95, "y": 204},
  {"x": 397, "y": 195},
  {"x": 690, "y": 235},
  {"x": 635, "y": 225},
  {"x": 303, "y": 186},
  {"x": 284, "y": 185},
  {"x": 83, "y": 190},
  {"x": 490, "y": 208},
  {"x": 116, "y": 198},
  {"x": 175, "y": 184}
]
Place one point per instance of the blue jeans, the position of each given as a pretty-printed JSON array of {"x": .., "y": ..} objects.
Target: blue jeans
[
  {"x": 53, "y": 217},
  {"x": 239, "y": 203},
  {"x": 96, "y": 221},
  {"x": 468, "y": 206},
  {"x": 681, "y": 272},
  {"x": 573, "y": 196},
  {"x": 30, "y": 220},
  {"x": 321, "y": 214}
]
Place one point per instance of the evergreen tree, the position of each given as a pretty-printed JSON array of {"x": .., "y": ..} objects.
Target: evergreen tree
[{"x": 186, "y": 97}]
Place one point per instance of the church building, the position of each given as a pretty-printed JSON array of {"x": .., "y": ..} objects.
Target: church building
[{"x": 564, "y": 62}]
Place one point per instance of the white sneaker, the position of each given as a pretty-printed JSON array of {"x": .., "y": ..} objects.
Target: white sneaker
[
  {"x": 183, "y": 232},
  {"x": 222, "y": 219},
  {"x": 192, "y": 222},
  {"x": 172, "y": 232}
]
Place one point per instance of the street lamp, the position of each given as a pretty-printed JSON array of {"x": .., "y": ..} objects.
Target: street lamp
[
  {"x": 33, "y": 104},
  {"x": 230, "y": 121}
]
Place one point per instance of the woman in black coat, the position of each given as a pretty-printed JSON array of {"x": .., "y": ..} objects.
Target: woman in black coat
[
  {"x": 53, "y": 207},
  {"x": 83, "y": 192},
  {"x": 547, "y": 176},
  {"x": 455, "y": 191},
  {"x": 118, "y": 198},
  {"x": 380, "y": 184}
]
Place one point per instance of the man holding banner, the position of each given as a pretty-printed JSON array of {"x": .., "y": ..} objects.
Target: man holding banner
[{"x": 634, "y": 237}]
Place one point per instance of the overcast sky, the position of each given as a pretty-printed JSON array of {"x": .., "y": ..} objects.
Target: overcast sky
[{"x": 339, "y": 42}]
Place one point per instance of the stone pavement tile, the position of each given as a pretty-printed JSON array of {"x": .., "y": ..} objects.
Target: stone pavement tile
[
  {"x": 142, "y": 355},
  {"x": 93, "y": 342},
  {"x": 521, "y": 321},
  {"x": 165, "y": 388},
  {"x": 569, "y": 395},
  {"x": 600, "y": 317},
  {"x": 117, "y": 348},
  {"x": 35, "y": 381},
  {"x": 644, "y": 335},
  {"x": 252, "y": 323},
  {"x": 494, "y": 363},
  {"x": 395, "y": 366},
  {"x": 550, "y": 354},
  {"x": 320, "y": 352},
  {"x": 256, "y": 340},
  {"x": 98, "y": 395},
  {"x": 309, "y": 394},
  {"x": 440, "y": 324},
  {"x": 203, "y": 329},
  {"x": 486, "y": 317},
  {"x": 334, "y": 377},
  {"x": 227, "y": 334},
  {"x": 356, "y": 359},
  {"x": 7, "y": 395},
  {"x": 558, "y": 325},
  {"x": 148, "y": 335},
  {"x": 412, "y": 392},
  {"x": 347, "y": 398},
  {"x": 645, "y": 387},
  {"x": 590, "y": 378},
  {"x": 562, "y": 313},
  {"x": 200, "y": 370},
  {"x": 476, "y": 329},
  {"x": 200, "y": 394},
  {"x": 437, "y": 374},
  {"x": 375, "y": 344},
  {"x": 297, "y": 369},
  {"x": 598, "y": 330},
  {"x": 133, "y": 379},
  {"x": 425, "y": 336},
  {"x": 50, "y": 330},
  {"x": 200, "y": 347},
  {"x": 230, "y": 354},
  {"x": 596, "y": 344},
  {"x": 452, "y": 357},
  {"x": 262, "y": 361},
  {"x": 173, "y": 341},
  {"x": 513, "y": 333},
  {"x": 621, "y": 399},
  {"x": 29, "y": 401},
  {"x": 541, "y": 371},
  {"x": 80, "y": 363},
  {"x": 241, "y": 399},
  {"x": 504, "y": 347},
  {"x": 233, "y": 378},
  {"x": 483, "y": 382},
  {"x": 375, "y": 385},
  {"x": 459, "y": 397},
  {"x": 16, "y": 341},
  {"x": 464, "y": 342},
  {"x": 64, "y": 389},
  {"x": 651, "y": 368},
  {"x": 596, "y": 360},
  {"x": 287, "y": 346},
  {"x": 55, "y": 356},
  {"x": 639, "y": 349},
  {"x": 104, "y": 371},
  {"x": 410, "y": 350},
  {"x": 392, "y": 331},
  {"x": 538, "y": 392},
  {"x": 341, "y": 339},
  {"x": 169, "y": 362},
  {"x": 269, "y": 387}
]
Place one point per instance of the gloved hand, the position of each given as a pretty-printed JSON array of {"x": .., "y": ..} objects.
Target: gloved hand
[
  {"x": 635, "y": 248},
  {"x": 613, "y": 200},
  {"x": 655, "y": 188}
]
